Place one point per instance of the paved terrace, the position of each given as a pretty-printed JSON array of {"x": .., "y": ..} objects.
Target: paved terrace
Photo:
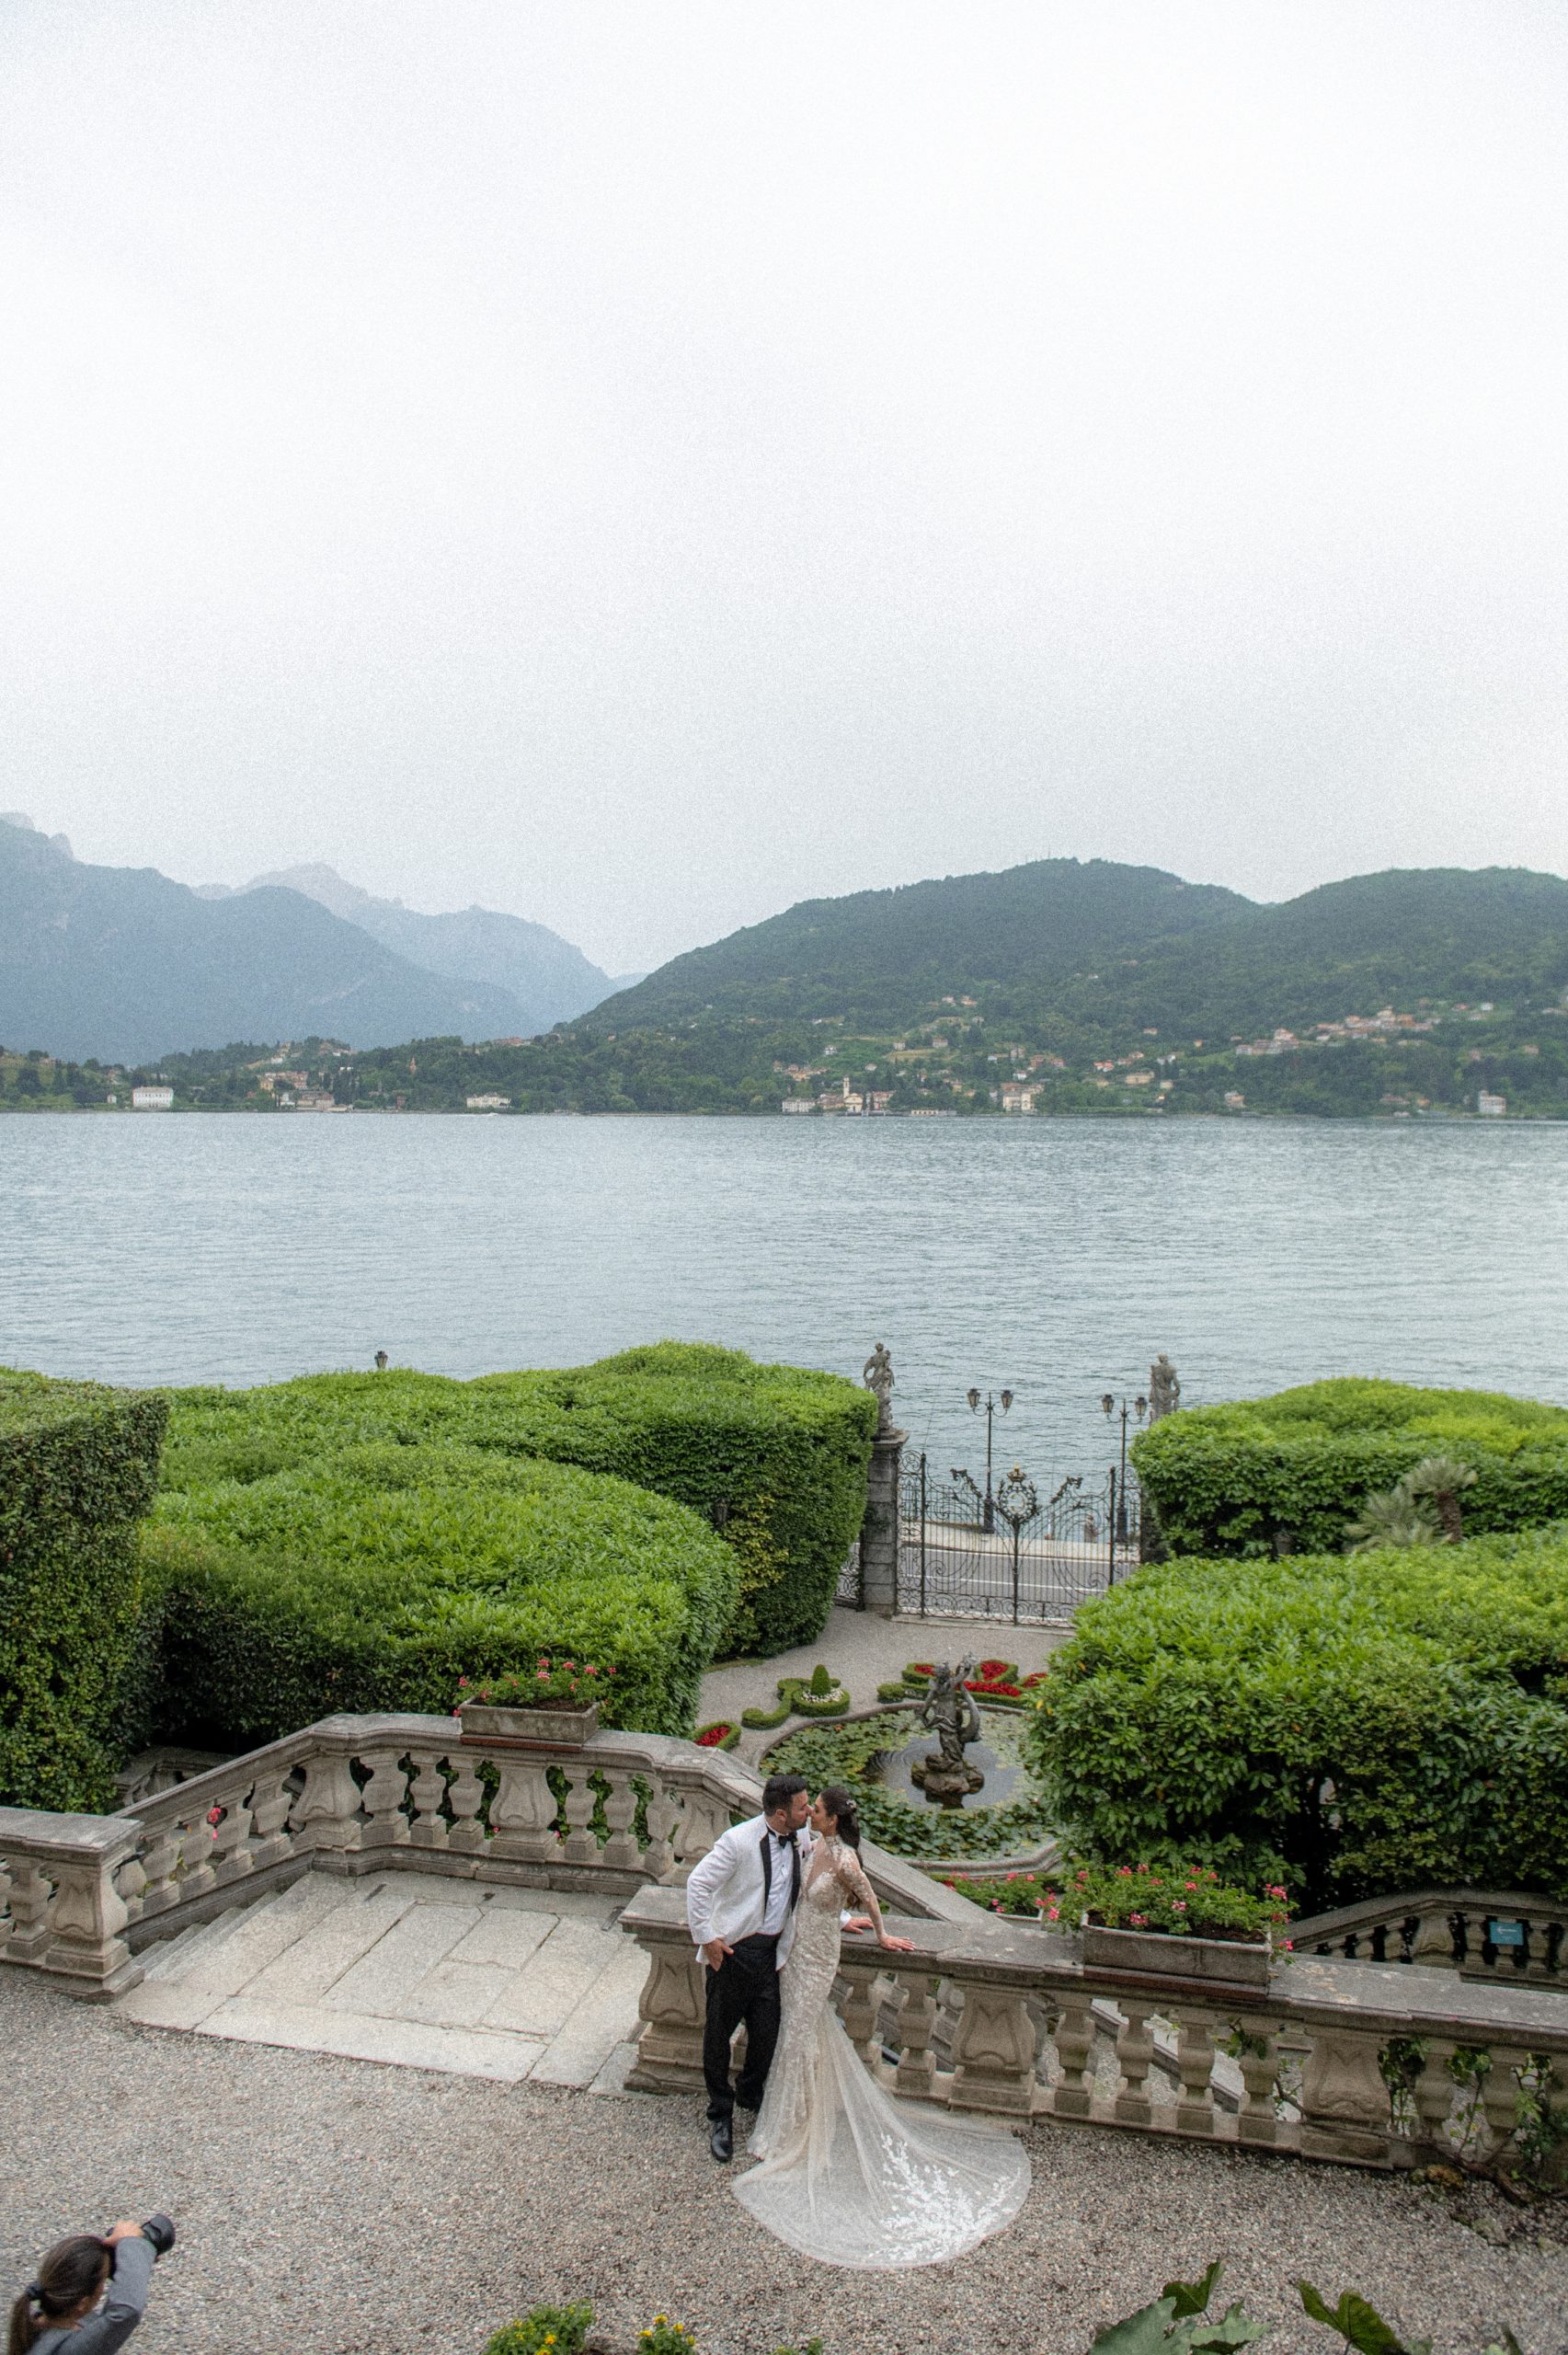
[{"x": 330, "y": 2206}]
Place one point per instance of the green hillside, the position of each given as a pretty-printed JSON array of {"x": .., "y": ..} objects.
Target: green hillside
[{"x": 884, "y": 954}]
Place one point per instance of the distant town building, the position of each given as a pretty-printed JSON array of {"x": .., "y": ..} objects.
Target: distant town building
[
  {"x": 1137, "y": 1078},
  {"x": 932, "y": 1113},
  {"x": 1234, "y": 1100},
  {"x": 1016, "y": 1098},
  {"x": 1491, "y": 1108},
  {"x": 798, "y": 1104},
  {"x": 314, "y": 1101},
  {"x": 152, "y": 1099},
  {"x": 488, "y": 1103}
]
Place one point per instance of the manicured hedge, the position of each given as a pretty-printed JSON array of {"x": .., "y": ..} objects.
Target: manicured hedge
[
  {"x": 1350, "y": 1725},
  {"x": 77, "y": 1465},
  {"x": 776, "y": 1454},
  {"x": 1285, "y": 1474},
  {"x": 375, "y": 1577}
]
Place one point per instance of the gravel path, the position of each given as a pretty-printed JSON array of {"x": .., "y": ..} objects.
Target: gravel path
[{"x": 331, "y": 2207}]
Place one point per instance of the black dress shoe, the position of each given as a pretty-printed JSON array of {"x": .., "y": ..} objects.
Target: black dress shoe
[{"x": 721, "y": 2141}]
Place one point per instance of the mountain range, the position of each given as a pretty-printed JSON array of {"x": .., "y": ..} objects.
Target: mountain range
[
  {"x": 1079, "y": 958},
  {"x": 123, "y": 964}
]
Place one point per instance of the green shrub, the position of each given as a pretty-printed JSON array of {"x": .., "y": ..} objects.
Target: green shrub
[
  {"x": 777, "y": 1456},
  {"x": 77, "y": 1465},
  {"x": 1288, "y": 1473},
  {"x": 544, "y": 2330},
  {"x": 375, "y": 1577},
  {"x": 1352, "y": 1724}
]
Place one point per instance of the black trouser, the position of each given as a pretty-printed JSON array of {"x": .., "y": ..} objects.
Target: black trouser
[{"x": 744, "y": 1987}]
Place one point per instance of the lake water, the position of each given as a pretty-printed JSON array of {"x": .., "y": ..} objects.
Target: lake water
[{"x": 1053, "y": 1257}]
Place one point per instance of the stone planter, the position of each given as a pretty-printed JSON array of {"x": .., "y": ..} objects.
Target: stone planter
[
  {"x": 1226, "y": 1961},
  {"x": 509, "y": 1728}
]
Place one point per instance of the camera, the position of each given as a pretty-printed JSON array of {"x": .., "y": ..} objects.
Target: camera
[{"x": 159, "y": 2230}]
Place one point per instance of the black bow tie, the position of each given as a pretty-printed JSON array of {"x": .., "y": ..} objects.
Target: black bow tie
[{"x": 784, "y": 1839}]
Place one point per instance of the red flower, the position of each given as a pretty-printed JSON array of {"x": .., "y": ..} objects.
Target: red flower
[{"x": 215, "y": 1815}]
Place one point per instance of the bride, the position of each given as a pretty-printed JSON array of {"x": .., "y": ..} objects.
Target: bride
[{"x": 847, "y": 2175}]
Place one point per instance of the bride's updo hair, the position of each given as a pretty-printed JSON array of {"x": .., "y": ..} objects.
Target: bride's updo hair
[{"x": 838, "y": 1803}]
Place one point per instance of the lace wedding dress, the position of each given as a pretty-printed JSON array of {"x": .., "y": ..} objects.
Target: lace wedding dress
[{"x": 848, "y": 2175}]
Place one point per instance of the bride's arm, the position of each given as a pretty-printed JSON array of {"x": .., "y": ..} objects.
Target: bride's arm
[{"x": 851, "y": 1872}]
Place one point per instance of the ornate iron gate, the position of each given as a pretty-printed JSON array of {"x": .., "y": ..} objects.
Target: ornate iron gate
[{"x": 1028, "y": 1557}]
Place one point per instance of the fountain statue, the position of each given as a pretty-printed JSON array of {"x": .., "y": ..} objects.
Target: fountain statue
[{"x": 949, "y": 1711}]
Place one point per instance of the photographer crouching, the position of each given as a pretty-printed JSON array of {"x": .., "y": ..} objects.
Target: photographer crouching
[{"x": 59, "y": 2308}]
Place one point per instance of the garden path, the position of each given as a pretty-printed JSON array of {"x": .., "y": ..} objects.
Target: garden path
[
  {"x": 865, "y": 1651},
  {"x": 411, "y": 1969}
]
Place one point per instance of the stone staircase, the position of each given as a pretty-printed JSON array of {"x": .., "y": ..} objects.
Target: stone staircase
[{"x": 413, "y": 1968}]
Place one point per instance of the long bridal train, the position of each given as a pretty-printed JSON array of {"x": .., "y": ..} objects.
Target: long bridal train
[{"x": 848, "y": 2175}]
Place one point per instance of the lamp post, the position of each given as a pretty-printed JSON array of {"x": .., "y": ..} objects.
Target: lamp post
[
  {"x": 1003, "y": 1398},
  {"x": 1109, "y": 1405}
]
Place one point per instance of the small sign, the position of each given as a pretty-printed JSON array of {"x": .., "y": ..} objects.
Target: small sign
[{"x": 1506, "y": 1934}]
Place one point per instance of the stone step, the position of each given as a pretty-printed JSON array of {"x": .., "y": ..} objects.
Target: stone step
[{"x": 415, "y": 1970}]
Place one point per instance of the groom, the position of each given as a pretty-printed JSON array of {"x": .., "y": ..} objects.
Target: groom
[{"x": 741, "y": 1902}]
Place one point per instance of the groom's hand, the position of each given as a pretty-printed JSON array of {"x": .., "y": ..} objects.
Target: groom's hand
[{"x": 715, "y": 1952}]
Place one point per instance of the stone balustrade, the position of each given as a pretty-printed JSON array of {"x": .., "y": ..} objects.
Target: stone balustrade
[
  {"x": 996, "y": 2016},
  {"x": 83, "y": 1893},
  {"x": 1482, "y": 1934},
  {"x": 1380, "y": 2062}
]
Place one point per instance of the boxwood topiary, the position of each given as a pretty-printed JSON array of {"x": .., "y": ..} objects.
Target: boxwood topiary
[
  {"x": 1287, "y": 1474},
  {"x": 1351, "y": 1726},
  {"x": 774, "y": 1456},
  {"x": 78, "y": 1465},
  {"x": 376, "y": 1577}
]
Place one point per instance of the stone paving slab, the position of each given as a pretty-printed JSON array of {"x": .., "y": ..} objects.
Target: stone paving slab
[
  {"x": 542, "y": 1997},
  {"x": 415, "y": 1971},
  {"x": 407, "y": 2044}
]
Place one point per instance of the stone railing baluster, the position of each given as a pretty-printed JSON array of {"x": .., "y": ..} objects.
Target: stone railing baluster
[
  {"x": 1500, "y": 2096},
  {"x": 705, "y": 1818},
  {"x": 580, "y": 1846},
  {"x": 916, "y": 2071},
  {"x": 993, "y": 2056},
  {"x": 27, "y": 1902},
  {"x": 385, "y": 1826},
  {"x": 232, "y": 1859},
  {"x": 663, "y": 1816},
  {"x": 1433, "y": 2098},
  {"x": 465, "y": 1796},
  {"x": 271, "y": 1803},
  {"x": 1258, "y": 2120},
  {"x": 1344, "y": 2102},
  {"x": 327, "y": 1813},
  {"x": 863, "y": 1985},
  {"x": 1135, "y": 2057},
  {"x": 620, "y": 1852},
  {"x": 197, "y": 1839},
  {"x": 160, "y": 1864},
  {"x": 523, "y": 1815},
  {"x": 428, "y": 1790},
  {"x": 1075, "y": 2092},
  {"x": 1195, "y": 2065}
]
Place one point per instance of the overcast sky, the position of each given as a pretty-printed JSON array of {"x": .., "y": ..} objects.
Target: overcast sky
[{"x": 639, "y": 466}]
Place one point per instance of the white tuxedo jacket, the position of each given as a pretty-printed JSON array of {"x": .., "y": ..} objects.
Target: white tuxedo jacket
[{"x": 725, "y": 1894}]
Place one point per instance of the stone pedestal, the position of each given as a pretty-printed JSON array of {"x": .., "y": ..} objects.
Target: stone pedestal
[{"x": 879, "y": 1531}]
